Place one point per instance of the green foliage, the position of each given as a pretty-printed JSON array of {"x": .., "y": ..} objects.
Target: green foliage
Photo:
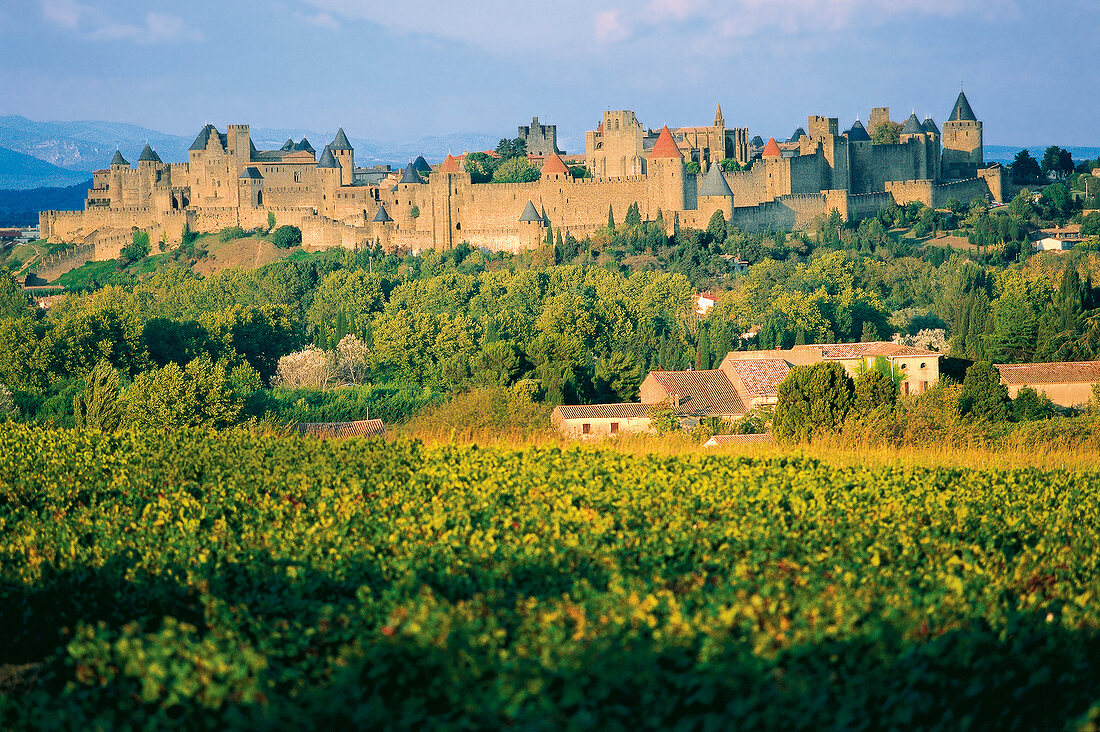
[
  {"x": 886, "y": 133},
  {"x": 983, "y": 396},
  {"x": 230, "y": 233},
  {"x": 414, "y": 212},
  {"x": 1056, "y": 160},
  {"x": 138, "y": 248},
  {"x": 170, "y": 398},
  {"x": 270, "y": 220},
  {"x": 1025, "y": 169},
  {"x": 1090, "y": 224},
  {"x": 663, "y": 419},
  {"x": 1031, "y": 405},
  {"x": 480, "y": 166},
  {"x": 286, "y": 236},
  {"x": 260, "y": 335},
  {"x": 516, "y": 170},
  {"x": 875, "y": 388},
  {"x": 730, "y": 165},
  {"x": 240, "y": 580},
  {"x": 99, "y": 406},
  {"x": 514, "y": 148},
  {"x": 812, "y": 400},
  {"x": 14, "y": 302},
  {"x": 692, "y": 168}
]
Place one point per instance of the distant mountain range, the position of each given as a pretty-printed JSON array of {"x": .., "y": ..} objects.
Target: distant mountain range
[{"x": 82, "y": 147}]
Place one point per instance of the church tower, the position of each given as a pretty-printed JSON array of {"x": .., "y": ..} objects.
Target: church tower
[{"x": 962, "y": 142}]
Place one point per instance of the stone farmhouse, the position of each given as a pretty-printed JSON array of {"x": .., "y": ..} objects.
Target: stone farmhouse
[
  {"x": 742, "y": 382},
  {"x": 1067, "y": 384},
  {"x": 227, "y": 181}
]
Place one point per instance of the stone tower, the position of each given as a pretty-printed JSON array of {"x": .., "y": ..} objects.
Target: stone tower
[
  {"x": 962, "y": 142},
  {"x": 345, "y": 155},
  {"x": 719, "y": 120},
  {"x": 665, "y": 176},
  {"x": 540, "y": 139},
  {"x": 879, "y": 115},
  {"x": 912, "y": 133}
]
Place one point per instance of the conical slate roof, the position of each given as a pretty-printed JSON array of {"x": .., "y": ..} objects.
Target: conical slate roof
[
  {"x": 118, "y": 159},
  {"x": 757, "y": 141},
  {"x": 251, "y": 173},
  {"x": 382, "y": 216},
  {"x": 858, "y": 133},
  {"x": 912, "y": 126},
  {"x": 962, "y": 112},
  {"x": 410, "y": 175},
  {"x": 771, "y": 150},
  {"x": 714, "y": 184},
  {"x": 341, "y": 142},
  {"x": 421, "y": 165},
  {"x": 529, "y": 213},
  {"x": 665, "y": 147},
  {"x": 798, "y": 132},
  {"x": 202, "y": 138},
  {"x": 545, "y": 218},
  {"x": 929, "y": 125},
  {"x": 149, "y": 155},
  {"x": 554, "y": 165},
  {"x": 304, "y": 145},
  {"x": 288, "y": 145},
  {"x": 450, "y": 165},
  {"x": 328, "y": 160}
]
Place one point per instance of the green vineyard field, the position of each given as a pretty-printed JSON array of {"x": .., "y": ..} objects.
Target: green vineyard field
[{"x": 243, "y": 580}]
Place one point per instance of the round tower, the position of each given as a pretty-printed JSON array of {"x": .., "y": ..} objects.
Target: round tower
[
  {"x": 665, "y": 176},
  {"x": 962, "y": 142},
  {"x": 345, "y": 155}
]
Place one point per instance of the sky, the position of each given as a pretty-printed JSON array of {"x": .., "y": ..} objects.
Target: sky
[{"x": 399, "y": 70}]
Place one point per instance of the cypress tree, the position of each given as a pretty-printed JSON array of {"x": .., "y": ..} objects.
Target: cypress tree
[{"x": 610, "y": 218}]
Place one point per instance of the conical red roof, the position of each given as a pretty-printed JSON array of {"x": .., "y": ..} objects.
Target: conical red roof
[
  {"x": 450, "y": 165},
  {"x": 554, "y": 165},
  {"x": 665, "y": 146},
  {"x": 771, "y": 150}
]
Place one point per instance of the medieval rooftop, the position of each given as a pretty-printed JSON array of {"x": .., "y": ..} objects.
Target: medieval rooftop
[
  {"x": 1049, "y": 373},
  {"x": 701, "y": 392},
  {"x": 962, "y": 112}
]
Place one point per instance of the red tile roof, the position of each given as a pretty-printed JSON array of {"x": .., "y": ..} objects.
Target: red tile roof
[
  {"x": 554, "y": 165},
  {"x": 450, "y": 165},
  {"x": 665, "y": 147},
  {"x": 875, "y": 348},
  {"x": 361, "y": 428},
  {"x": 599, "y": 130},
  {"x": 761, "y": 377},
  {"x": 706, "y": 392},
  {"x": 1049, "y": 373},
  {"x": 771, "y": 150},
  {"x": 603, "y": 411}
]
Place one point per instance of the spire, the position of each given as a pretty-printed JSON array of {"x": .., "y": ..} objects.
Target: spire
[
  {"x": 328, "y": 160},
  {"x": 410, "y": 175},
  {"x": 288, "y": 145},
  {"x": 858, "y": 133},
  {"x": 771, "y": 150},
  {"x": 912, "y": 126},
  {"x": 665, "y": 147},
  {"x": 719, "y": 120},
  {"x": 149, "y": 155},
  {"x": 545, "y": 218},
  {"x": 450, "y": 165},
  {"x": 341, "y": 141},
  {"x": 715, "y": 183},
  {"x": 530, "y": 214},
  {"x": 382, "y": 216},
  {"x": 962, "y": 112},
  {"x": 421, "y": 165},
  {"x": 554, "y": 165},
  {"x": 118, "y": 159},
  {"x": 929, "y": 125}
]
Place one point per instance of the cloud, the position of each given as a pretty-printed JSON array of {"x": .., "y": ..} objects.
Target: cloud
[
  {"x": 608, "y": 26},
  {"x": 91, "y": 23},
  {"x": 318, "y": 20},
  {"x": 588, "y": 26}
]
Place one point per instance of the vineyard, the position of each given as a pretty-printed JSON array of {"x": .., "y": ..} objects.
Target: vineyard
[{"x": 247, "y": 580}]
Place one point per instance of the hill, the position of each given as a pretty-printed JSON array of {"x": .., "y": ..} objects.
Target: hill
[
  {"x": 1005, "y": 154},
  {"x": 86, "y": 145},
  {"x": 21, "y": 207},
  {"x": 20, "y": 172}
]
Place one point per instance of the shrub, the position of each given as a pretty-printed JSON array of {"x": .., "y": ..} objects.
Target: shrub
[
  {"x": 983, "y": 395},
  {"x": 812, "y": 400},
  {"x": 99, "y": 406},
  {"x": 137, "y": 249},
  {"x": 270, "y": 220},
  {"x": 286, "y": 237},
  {"x": 230, "y": 233}
]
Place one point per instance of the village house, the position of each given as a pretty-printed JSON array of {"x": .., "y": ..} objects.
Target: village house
[
  {"x": 1067, "y": 384},
  {"x": 743, "y": 381}
]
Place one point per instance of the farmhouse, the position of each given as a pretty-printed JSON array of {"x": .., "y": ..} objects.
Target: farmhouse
[{"x": 1067, "y": 384}]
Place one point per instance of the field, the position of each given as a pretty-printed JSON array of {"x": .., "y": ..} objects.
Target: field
[{"x": 245, "y": 579}]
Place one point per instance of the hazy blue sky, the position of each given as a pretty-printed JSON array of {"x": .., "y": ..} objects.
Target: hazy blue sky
[{"x": 401, "y": 69}]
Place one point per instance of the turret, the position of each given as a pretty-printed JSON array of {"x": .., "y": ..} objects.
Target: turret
[
  {"x": 239, "y": 144},
  {"x": 962, "y": 142},
  {"x": 666, "y": 176},
  {"x": 328, "y": 170},
  {"x": 345, "y": 155},
  {"x": 714, "y": 195}
]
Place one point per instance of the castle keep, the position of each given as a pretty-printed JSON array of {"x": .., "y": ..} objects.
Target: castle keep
[{"x": 227, "y": 181}]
